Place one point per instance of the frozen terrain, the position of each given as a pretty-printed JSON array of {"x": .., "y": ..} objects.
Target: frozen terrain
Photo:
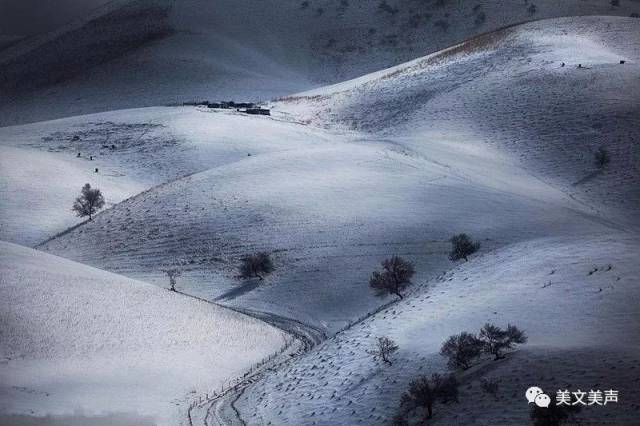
[
  {"x": 79, "y": 340},
  {"x": 509, "y": 91},
  {"x": 331, "y": 204},
  {"x": 493, "y": 137},
  {"x": 134, "y": 53},
  {"x": 583, "y": 330}
]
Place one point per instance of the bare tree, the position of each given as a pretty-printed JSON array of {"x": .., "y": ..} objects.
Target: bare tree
[
  {"x": 461, "y": 349},
  {"x": 172, "y": 273},
  {"x": 89, "y": 202},
  {"x": 256, "y": 265},
  {"x": 601, "y": 157},
  {"x": 395, "y": 276},
  {"x": 462, "y": 247},
  {"x": 385, "y": 347},
  {"x": 497, "y": 340},
  {"x": 425, "y": 392}
]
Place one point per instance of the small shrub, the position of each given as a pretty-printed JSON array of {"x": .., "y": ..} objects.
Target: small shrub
[
  {"x": 462, "y": 247},
  {"x": 601, "y": 157},
  {"x": 172, "y": 273},
  {"x": 256, "y": 265},
  {"x": 532, "y": 9}
]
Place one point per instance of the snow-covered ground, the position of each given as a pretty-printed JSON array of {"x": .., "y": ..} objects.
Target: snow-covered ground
[
  {"x": 133, "y": 151},
  {"x": 509, "y": 91},
  {"x": 333, "y": 202},
  {"x": 583, "y": 331},
  {"x": 77, "y": 340},
  {"x": 493, "y": 137},
  {"x": 136, "y": 53}
]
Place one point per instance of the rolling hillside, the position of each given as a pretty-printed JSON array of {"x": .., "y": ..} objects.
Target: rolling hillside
[
  {"x": 582, "y": 326},
  {"x": 331, "y": 210},
  {"x": 494, "y": 136},
  {"x": 77, "y": 338},
  {"x": 134, "y": 53},
  {"x": 510, "y": 91}
]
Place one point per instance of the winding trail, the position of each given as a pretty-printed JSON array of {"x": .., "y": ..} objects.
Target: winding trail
[{"x": 220, "y": 409}]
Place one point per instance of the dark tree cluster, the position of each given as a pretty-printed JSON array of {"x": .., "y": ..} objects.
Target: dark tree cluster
[{"x": 462, "y": 349}]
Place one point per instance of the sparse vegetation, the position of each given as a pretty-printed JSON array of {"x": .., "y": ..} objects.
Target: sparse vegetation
[
  {"x": 89, "y": 202},
  {"x": 462, "y": 247},
  {"x": 424, "y": 392},
  {"x": 553, "y": 415},
  {"x": 172, "y": 273},
  {"x": 385, "y": 348},
  {"x": 601, "y": 157},
  {"x": 461, "y": 349},
  {"x": 256, "y": 265},
  {"x": 496, "y": 340},
  {"x": 395, "y": 276}
]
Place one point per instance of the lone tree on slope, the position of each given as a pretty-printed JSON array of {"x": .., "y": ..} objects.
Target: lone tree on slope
[
  {"x": 425, "y": 392},
  {"x": 395, "y": 276},
  {"x": 601, "y": 157},
  {"x": 497, "y": 340},
  {"x": 462, "y": 247},
  {"x": 385, "y": 347},
  {"x": 461, "y": 349},
  {"x": 256, "y": 265},
  {"x": 89, "y": 202},
  {"x": 172, "y": 273}
]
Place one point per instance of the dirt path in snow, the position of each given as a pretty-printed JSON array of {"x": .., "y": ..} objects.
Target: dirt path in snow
[{"x": 220, "y": 409}]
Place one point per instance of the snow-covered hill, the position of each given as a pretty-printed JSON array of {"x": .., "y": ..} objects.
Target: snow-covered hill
[
  {"x": 576, "y": 298},
  {"x": 133, "y": 151},
  {"x": 549, "y": 93},
  {"x": 74, "y": 339},
  {"x": 135, "y": 53},
  {"x": 330, "y": 207}
]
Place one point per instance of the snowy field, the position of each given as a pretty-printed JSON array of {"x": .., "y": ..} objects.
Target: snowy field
[
  {"x": 583, "y": 331},
  {"x": 331, "y": 202},
  {"x": 493, "y": 137},
  {"x": 79, "y": 340},
  {"x": 135, "y": 53}
]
